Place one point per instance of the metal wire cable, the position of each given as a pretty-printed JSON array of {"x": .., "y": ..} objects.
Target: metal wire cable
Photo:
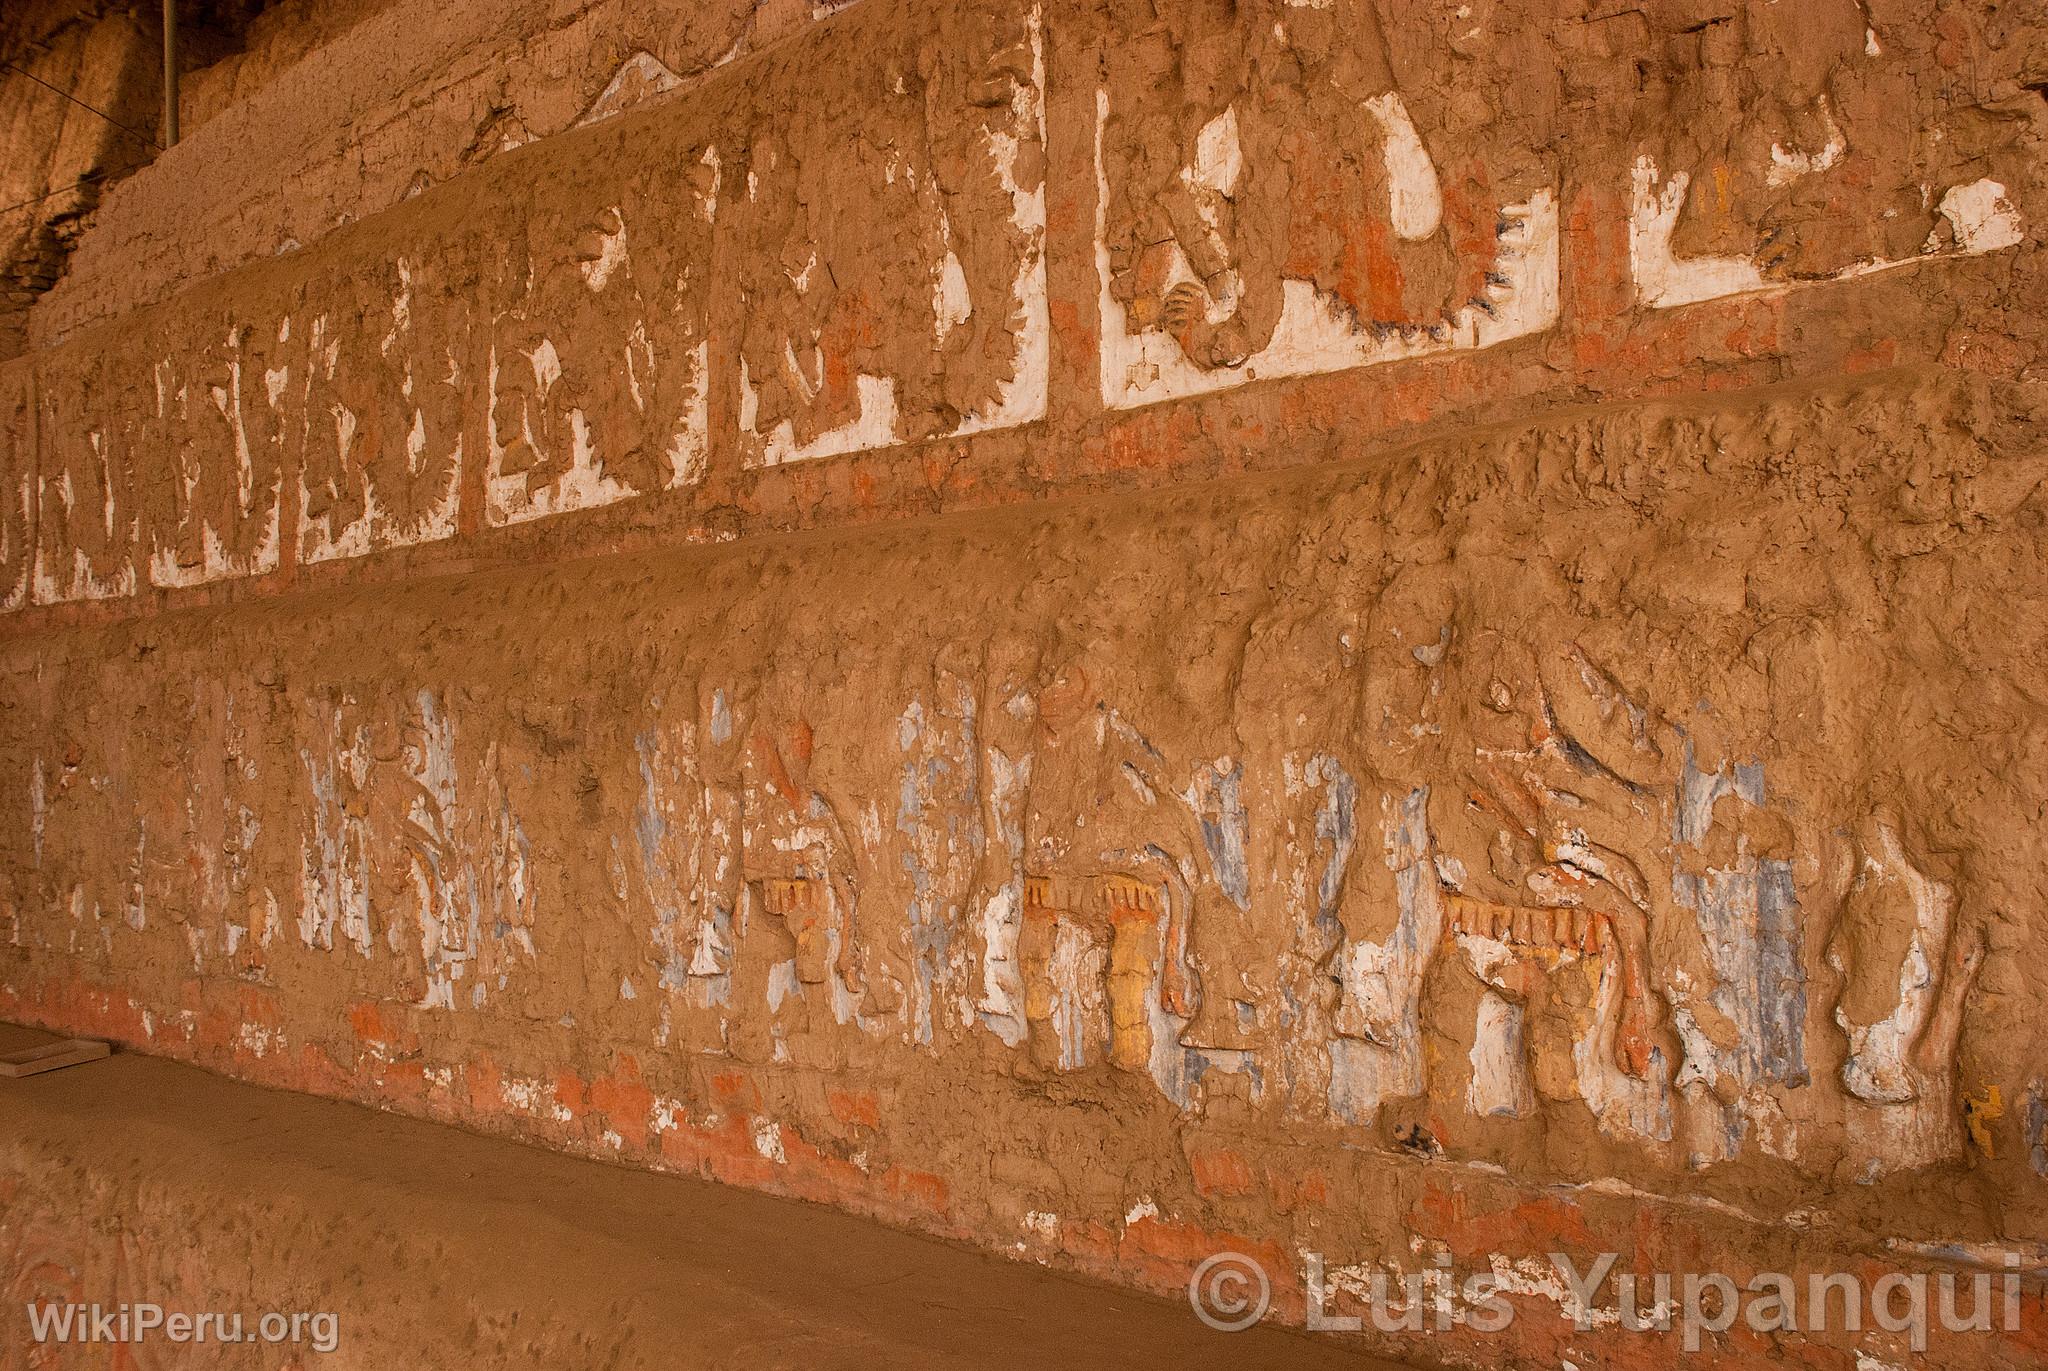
[
  {"x": 88, "y": 179},
  {"x": 135, "y": 133}
]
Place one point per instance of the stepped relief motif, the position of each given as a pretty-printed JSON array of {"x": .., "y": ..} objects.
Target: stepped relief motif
[
  {"x": 1111, "y": 882},
  {"x": 752, "y": 881},
  {"x": 1087, "y": 953},
  {"x": 1283, "y": 192},
  {"x": 384, "y": 353},
  {"x": 599, "y": 356},
  {"x": 896, "y": 291},
  {"x": 1810, "y": 143},
  {"x": 1619, "y": 924},
  {"x": 217, "y": 404},
  {"x": 1092, "y": 886},
  {"x": 17, "y": 488},
  {"x": 796, "y": 859},
  {"x": 412, "y": 850}
]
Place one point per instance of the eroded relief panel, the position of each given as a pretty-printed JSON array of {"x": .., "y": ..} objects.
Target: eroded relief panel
[
  {"x": 1810, "y": 143},
  {"x": 1287, "y": 187},
  {"x": 166, "y": 453},
  {"x": 895, "y": 290},
  {"x": 599, "y": 361},
  {"x": 1599, "y": 917},
  {"x": 1591, "y": 838},
  {"x": 17, "y": 487},
  {"x": 217, "y": 411},
  {"x": 87, "y": 515},
  {"x": 995, "y": 866},
  {"x": 1449, "y": 887},
  {"x": 411, "y": 852},
  {"x": 1524, "y": 861},
  {"x": 1283, "y": 187},
  {"x": 386, "y": 358}
]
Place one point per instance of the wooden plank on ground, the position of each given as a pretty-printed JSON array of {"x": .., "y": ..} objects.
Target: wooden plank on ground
[{"x": 52, "y": 1056}]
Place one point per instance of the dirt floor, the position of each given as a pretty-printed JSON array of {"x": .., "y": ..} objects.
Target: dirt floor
[{"x": 425, "y": 1239}]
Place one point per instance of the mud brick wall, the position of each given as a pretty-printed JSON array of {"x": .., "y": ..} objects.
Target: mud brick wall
[
  {"x": 337, "y": 109},
  {"x": 1407, "y": 632},
  {"x": 58, "y": 157}
]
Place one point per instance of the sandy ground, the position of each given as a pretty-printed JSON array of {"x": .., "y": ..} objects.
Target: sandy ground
[{"x": 697, "y": 1274}]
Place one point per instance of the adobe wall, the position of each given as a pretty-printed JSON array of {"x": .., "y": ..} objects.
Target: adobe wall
[
  {"x": 334, "y": 112},
  {"x": 1118, "y": 636},
  {"x": 57, "y": 156}
]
